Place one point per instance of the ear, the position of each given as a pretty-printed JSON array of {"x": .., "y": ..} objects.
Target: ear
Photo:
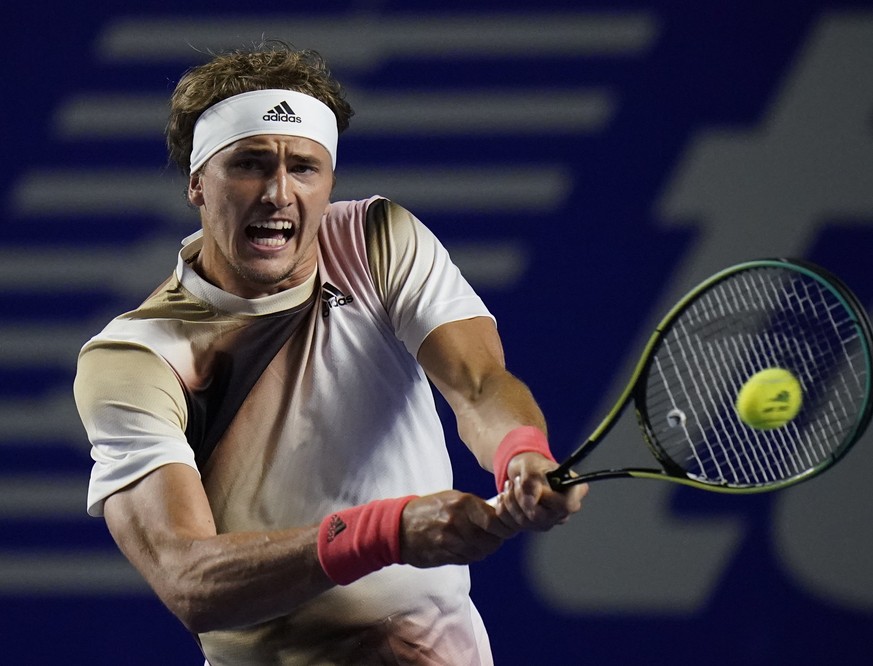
[{"x": 195, "y": 190}]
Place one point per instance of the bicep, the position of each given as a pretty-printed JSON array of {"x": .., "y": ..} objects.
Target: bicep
[
  {"x": 460, "y": 356},
  {"x": 134, "y": 410},
  {"x": 155, "y": 519}
]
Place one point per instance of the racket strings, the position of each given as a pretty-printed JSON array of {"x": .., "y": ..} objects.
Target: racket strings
[{"x": 753, "y": 320}]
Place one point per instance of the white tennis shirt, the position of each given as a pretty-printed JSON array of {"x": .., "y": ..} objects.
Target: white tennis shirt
[{"x": 340, "y": 415}]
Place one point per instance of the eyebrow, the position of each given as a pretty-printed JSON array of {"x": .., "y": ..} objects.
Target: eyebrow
[{"x": 255, "y": 151}]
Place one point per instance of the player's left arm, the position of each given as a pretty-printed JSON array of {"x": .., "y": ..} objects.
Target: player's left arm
[{"x": 498, "y": 419}]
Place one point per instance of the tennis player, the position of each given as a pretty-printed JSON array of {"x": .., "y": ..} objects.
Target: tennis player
[{"x": 266, "y": 448}]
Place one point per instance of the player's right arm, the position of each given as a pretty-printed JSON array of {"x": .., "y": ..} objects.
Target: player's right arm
[
  {"x": 148, "y": 489},
  {"x": 163, "y": 524},
  {"x": 146, "y": 485}
]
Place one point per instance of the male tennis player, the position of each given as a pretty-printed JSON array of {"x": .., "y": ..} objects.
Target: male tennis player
[{"x": 267, "y": 451}]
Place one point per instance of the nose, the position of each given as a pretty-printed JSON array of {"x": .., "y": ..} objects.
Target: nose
[{"x": 278, "y": 190}]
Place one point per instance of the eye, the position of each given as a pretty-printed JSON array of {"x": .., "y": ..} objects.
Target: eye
[{"x": 247, "y": 164}]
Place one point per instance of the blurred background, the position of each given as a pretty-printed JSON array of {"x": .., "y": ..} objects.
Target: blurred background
[{"x": 585, "y": 163}]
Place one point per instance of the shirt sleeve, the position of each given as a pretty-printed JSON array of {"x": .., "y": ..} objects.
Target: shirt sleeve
[
  {"x": 414, "y": 275},
  {"x": 135, "y": 413}
]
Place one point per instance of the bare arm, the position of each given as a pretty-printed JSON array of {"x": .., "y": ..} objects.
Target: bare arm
[
  {"x": 465, "y": 361},
  {"x": 164, "y": 525}
]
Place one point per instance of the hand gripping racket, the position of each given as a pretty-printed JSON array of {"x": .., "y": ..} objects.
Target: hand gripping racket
[{"x": 759, "y": 378}]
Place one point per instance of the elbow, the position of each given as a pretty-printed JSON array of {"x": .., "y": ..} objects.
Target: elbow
[
  {"x": 191, "y": 601},
  {"x": 195, "y": 613},
  {"x": 197, "y": 624}
]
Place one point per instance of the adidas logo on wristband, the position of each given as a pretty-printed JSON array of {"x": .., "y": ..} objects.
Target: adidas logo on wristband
[{"x": 334, "y": 527}]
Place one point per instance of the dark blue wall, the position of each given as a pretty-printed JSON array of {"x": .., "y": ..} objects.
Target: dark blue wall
[{"x": 586, "y": 162}]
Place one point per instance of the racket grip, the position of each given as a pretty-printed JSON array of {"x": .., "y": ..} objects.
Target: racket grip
[{"x": 554, "y": 479}]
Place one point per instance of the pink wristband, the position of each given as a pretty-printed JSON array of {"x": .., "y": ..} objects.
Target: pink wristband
[
  {"x": 523, "y": 439},
  {"x": 360, "y": 540}
]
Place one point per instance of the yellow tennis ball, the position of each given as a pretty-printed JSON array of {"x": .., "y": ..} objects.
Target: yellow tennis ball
[{"x": 769, "y": 399}]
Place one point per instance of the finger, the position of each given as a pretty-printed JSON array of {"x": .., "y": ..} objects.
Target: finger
[
  {"x": 471, "y": 543},
  {"x": 528, "y": 493},
  {"x": 569, "y": 499},
  {"x": 513, "y": 507},
  {"x": 505, "y": 511},
  {"x": 494, "y": 520},
  {"x": 501, "y": 510},
  {"x": 552, "y": 507},
  {"x": 564, "y": 503},
  {"x": 446, "y": 528},
  {"x": 474, "y": 531}
]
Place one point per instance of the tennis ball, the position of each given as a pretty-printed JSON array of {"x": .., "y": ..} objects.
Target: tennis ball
[{"x": 769, "y": 399}]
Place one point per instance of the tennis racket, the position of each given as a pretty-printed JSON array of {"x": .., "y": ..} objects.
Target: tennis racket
[{"x": 780, "y": 316}]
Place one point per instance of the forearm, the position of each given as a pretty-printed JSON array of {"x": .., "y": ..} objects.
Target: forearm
[
  {"x": 224, "y": 581},
  {"x": 233, "y": 580},
  {"x": 164, "y": 525},
  {"x": 500, "y": 404},
  {"x": 464, "y": 360},
  {"x": 445, "y": 528}
]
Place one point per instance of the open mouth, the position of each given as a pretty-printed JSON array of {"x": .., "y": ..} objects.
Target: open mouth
[{"x": 272, "y": 233}]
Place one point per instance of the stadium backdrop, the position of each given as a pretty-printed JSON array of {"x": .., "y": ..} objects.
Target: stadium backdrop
[{"x": 585, "y": 162}]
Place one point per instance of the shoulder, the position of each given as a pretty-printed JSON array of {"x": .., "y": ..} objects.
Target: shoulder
[
  {"x": 163, "y": 320},
  {"x": 376, "y": 215},
  {"x": 392, "y": 232},
  {"x": 344, "y": 213},
  {"x": 388, "y": 218},
  {"x": 105, "y": 366}
]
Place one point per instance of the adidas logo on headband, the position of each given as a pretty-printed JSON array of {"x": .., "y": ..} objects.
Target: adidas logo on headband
[
  {"x": 282, "y": 113},
  {"x": 241, "y": 116}
]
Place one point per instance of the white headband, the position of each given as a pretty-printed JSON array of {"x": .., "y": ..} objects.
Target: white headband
[{"x": 285, "y": 112}]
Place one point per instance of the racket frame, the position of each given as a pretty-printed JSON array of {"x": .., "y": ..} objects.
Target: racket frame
[{"x": 564, "y": 476}]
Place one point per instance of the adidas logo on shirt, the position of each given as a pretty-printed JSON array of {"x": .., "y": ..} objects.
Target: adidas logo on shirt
[
  {"x": 282, "y": 113},
  {"x": 331, "y": 297}
]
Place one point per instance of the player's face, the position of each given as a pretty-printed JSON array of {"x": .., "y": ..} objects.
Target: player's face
[{"x": 261, "y": 203}]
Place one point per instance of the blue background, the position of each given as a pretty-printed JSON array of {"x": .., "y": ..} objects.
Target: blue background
[{"x": 696, "y": 135}]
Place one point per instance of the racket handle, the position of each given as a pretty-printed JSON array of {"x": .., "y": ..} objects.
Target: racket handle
[{"x": 554, "y": 479}]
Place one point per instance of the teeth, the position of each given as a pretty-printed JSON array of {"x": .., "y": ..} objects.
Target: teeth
[
  {"x": 274, "y": 224},
  {"x": 272, "y": 242}
]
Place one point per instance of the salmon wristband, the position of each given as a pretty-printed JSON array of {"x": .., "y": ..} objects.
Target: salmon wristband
[
  {"x": 524, "y": 439},
  {"x": 357, "y": 541}
]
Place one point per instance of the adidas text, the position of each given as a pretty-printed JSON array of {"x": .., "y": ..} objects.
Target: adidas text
[
  {"x": 282, "y": 117},
  {"x": 331, "y": 297},
  {"x": 282, "y": 113},
  {"x": 335, "y": 302}
]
